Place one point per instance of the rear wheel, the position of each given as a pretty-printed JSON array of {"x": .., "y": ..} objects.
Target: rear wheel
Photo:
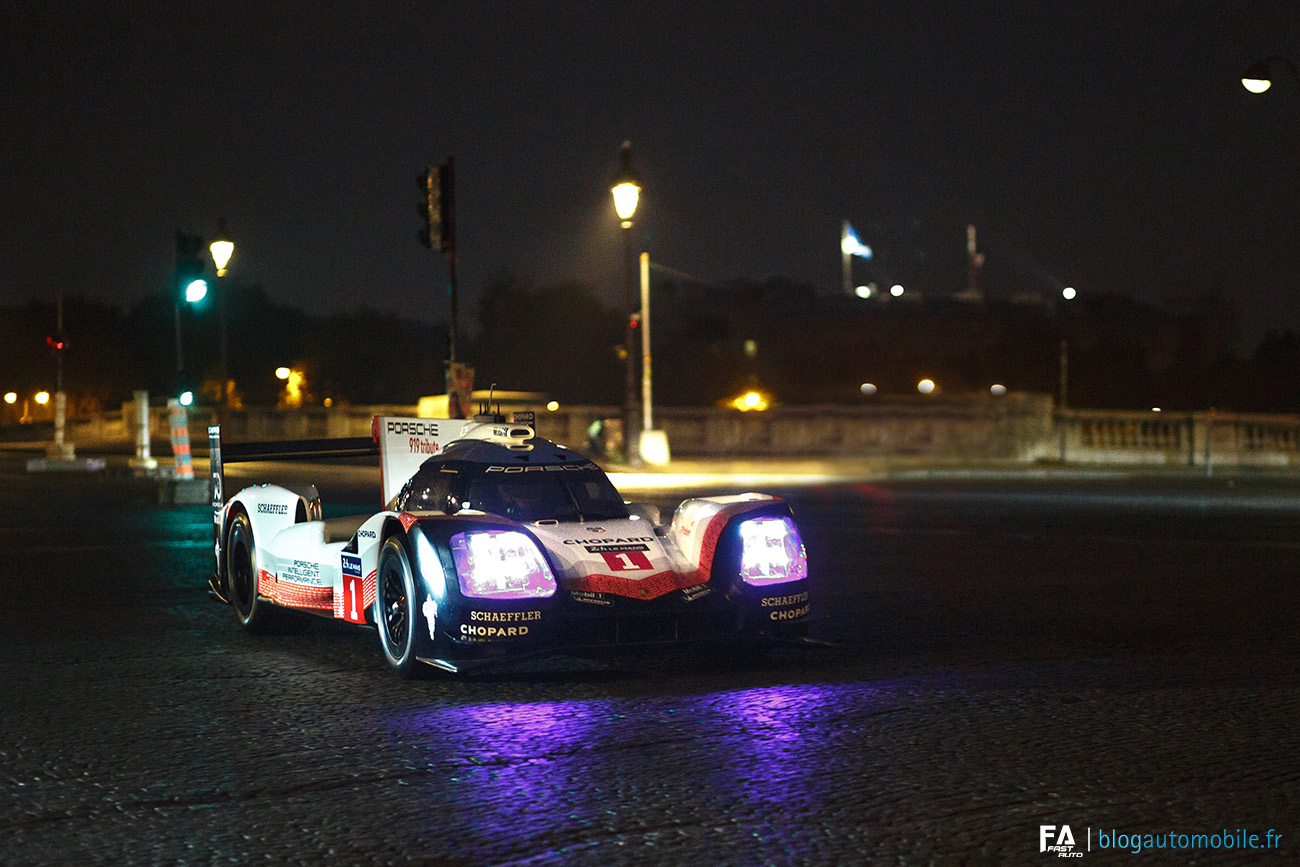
[
  {"x": 395, "y": 609},
  {"x": 241, "y": 577}
]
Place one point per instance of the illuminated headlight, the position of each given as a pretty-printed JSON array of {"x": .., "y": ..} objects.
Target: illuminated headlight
[
  {"x": 771, "y": 552},
  {"x": 500, "y": 564}
]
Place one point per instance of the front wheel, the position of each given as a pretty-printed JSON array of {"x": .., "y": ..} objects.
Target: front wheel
[
  {"x": 241, "y": 577},
  {"x": 395, "y": 609}
]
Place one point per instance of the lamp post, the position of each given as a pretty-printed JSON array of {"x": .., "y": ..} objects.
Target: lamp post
[
  {"x": 222, "y": 249},
  {"x": 1063, "y": 370},
  {"x": 626, "y": 190}
]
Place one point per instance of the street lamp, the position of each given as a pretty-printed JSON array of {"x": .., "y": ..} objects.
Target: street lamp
[
  {"x": 1257, "y": 79},
  {"x": 626, "y": 190},
  {"x": 222, "y": 249}
]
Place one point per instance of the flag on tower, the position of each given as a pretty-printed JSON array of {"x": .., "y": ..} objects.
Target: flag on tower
[{"x": 851, "y": 244}]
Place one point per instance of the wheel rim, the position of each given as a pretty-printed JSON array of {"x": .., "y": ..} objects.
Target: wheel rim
[{"x": 395, "y": 606}]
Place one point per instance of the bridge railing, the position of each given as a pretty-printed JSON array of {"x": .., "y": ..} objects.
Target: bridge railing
[
  {"x": 1014, "y": 429},
  {"x": 1174, "y": 439}
]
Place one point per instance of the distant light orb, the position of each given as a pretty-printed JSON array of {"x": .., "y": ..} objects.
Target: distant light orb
[
  {"x": 750, "y": 400},
  {"x": 998, "y": 390},
  {"x": 896, "y": 290},
  {"x": 1155, "y": 409},
  {"x": 11, "y": 397},
  {"x": 1068, "y": 293},
  {"x": 187, "y": 398},
  {"x": 863, "y": 291},
  {"x": 329, "y": 402},
  {"x": 868, "y": 388},
  {"x": 925, "y": 386},
  {"x": 196, "y": 291},
  {"x": 42, "y": 397},
  {"x": 553, "y": 405},
  {"x": 282, "y": 373}
]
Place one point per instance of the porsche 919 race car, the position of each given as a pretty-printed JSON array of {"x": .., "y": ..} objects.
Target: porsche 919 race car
[{"x": 494, "y": 545}]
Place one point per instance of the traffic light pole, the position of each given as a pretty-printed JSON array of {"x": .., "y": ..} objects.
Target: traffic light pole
[
  {"x": 438, "y": 209},
  {"x": 60, "y": 450},
  {"x": 451, "y": 293}
]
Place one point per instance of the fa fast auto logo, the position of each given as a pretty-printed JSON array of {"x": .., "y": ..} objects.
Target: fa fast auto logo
[{"x": 1059, "y": 841}]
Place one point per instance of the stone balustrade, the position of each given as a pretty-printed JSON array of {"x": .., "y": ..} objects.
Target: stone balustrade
[{"x": 1016, "y": 428}]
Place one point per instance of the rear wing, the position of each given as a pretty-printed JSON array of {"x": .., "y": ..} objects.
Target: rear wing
[
  {"x": 220, "y": 454},
  {"x": 402, "y": 444}
]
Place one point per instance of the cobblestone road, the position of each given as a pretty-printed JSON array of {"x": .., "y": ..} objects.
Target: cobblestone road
[{"x": 1119, "y": 659}]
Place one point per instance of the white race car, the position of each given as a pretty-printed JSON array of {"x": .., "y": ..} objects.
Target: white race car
[{"x": 493, "y": 544}]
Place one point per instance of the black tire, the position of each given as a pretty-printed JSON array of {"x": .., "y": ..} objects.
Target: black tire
[
  {"x": 253, "y": 614},
  {"x": 396, "y": 615}
]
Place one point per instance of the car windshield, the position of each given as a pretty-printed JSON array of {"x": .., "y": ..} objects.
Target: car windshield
[{"x": 560, "y": 496}]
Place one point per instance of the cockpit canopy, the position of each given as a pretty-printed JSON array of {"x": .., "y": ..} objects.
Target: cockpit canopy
[{"x": 565, "y": 488}]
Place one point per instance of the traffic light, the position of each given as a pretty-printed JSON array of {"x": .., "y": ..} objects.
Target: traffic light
[
  {"x": 191, "y": 279},
  {"x": 438, "y": 207},
  {"x": 57, "y": 342}
]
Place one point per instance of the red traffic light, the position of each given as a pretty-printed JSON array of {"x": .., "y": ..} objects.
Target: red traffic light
[{"x": 55, "y": 343}]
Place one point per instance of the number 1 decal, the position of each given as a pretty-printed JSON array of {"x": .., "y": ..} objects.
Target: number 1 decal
[
  {"x": 627, "y": 561},
  {"x": 352, "y": 610}
]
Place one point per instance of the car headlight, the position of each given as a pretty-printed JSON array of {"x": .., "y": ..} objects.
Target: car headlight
[
  {"x": 771, "y": 552},
  {"x": 500, "y": 564}
]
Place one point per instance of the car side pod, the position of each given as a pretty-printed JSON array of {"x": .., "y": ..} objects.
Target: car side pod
[{"x": 220, "y": 454}]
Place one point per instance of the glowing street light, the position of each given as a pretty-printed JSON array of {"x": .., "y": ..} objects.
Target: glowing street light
[
  {"x": 754, "y": 401},
  {"x": 11, "y": 397},
  {"x": 222, "y": 248},
  {"x": 1068, "y": 293},
  {"x": 1257, "y": 78},
  {"x": 868, "y": 389},
  {"x": 926, "y": 386},
  {"x": 42, "y": 397},
  {"x": 294, "y": 381},
  {"x": 896, "y": 290}
]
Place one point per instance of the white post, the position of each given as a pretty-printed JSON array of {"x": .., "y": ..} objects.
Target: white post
[
  {"x": 653, "y": 445},
  {"x": 60, "y": 450},
  {"x": 646, "y": 412},
  {"x": 142, "y": 460}
]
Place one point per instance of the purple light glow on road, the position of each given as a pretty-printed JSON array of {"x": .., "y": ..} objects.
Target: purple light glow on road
[{"x": 554, "y": 775}]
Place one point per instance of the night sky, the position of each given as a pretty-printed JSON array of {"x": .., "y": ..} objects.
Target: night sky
[{"x": 1108, "y": 146}]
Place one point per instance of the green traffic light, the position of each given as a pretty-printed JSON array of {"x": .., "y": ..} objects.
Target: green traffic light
[{"x": 196, "y": 291}]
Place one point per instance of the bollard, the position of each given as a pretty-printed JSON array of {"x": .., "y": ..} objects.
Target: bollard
[
  {"x": 142, "y": 460},
  {"x": 180, "y": 431},
  {"x": 59, "y": 450}
]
